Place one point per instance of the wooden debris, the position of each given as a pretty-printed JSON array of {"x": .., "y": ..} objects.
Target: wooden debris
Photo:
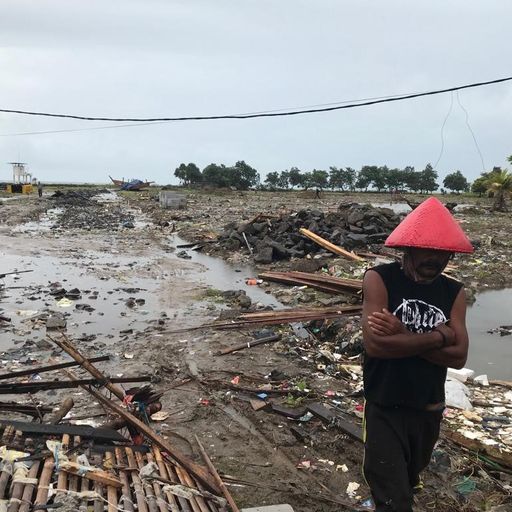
[
  {"x": 491, "y": 452},
  {"x": 149, "y": 433},
  {"x": 217, "y": 477},
  {"x": 322, "y": 282},
  {"x": 84, "y": 431},
  {"x": 68, "y": 347},
  {"x": 34, "y": 387},
  {"x": 250, "y": 344},
  {"x": 91, "y": 473},
  {"x": 336, "y": 249},
  {"x": 329, "y": 416},
  {"x": 49, "y": 368}
]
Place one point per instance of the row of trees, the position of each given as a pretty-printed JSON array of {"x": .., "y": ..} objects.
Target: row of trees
[
  {"x": 369, "y": 176},
  {"x": 242, "y": 176}
]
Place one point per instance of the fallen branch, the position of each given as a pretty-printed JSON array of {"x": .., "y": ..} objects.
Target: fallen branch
[
  {"x": 336, "y": 249},
  {"x": 249, "y": 344}
]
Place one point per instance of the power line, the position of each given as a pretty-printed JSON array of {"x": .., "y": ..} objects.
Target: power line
[
  {"x": 260, "y": 114},
  {"x": 472, "y": 132},
  {"x": 442, "y": 131},
  {"x": 130, "y": 125}
]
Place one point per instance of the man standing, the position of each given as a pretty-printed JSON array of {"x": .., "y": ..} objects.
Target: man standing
[
  {"x": 39, "y": 189},
  {"x": 413, "y": 329}
]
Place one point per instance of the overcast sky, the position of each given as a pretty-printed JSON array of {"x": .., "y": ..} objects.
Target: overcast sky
[{"x": 135, "y": 58}]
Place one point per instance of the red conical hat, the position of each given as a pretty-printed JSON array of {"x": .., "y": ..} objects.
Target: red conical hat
[{"x": 430, "y": 226}]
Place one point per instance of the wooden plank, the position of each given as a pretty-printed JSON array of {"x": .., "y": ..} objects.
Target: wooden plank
[
  {"x": 49, "y": 368},
  {"x": 491, "y": 452},
  {"x": 351, "y": 429},
  {"x": 336, "y": 249},
  {"x": 17, "y": 388},
  {"x": 84, "y": 431},
  {"x": 95, "y": 474}
]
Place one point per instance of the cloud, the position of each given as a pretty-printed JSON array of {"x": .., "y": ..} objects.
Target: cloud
[{"x": 165, "y": 58}]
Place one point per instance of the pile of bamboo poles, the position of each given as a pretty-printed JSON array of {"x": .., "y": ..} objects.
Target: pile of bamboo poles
[
  {"x": 117, "y": 484},
  {"x": 322, "y": 282}
]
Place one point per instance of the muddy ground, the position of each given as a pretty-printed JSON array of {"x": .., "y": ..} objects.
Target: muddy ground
[{"x": 142, "y": 294}]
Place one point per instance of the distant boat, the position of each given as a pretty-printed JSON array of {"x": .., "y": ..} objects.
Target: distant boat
[{"x": 131, "y": 184}]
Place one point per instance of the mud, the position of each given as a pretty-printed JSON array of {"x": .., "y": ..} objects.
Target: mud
[{"x": 258, "y": 449}]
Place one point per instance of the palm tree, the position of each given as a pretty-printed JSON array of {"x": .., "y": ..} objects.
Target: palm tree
[{"x": 500, "y": 183}]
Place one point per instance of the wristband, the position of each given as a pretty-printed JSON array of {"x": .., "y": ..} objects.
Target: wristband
[{"x": 444, "y": 338}]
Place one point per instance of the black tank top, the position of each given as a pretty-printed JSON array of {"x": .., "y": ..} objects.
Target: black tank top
[{"x": 410, "y": 381}]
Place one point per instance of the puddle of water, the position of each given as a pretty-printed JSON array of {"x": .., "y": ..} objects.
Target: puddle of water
[
  {"x": 405, "y": 208},
  {"x": 218, "y": 274},
  {"x": 490, "y": 353},
  {"x": 44, "y": 225},
  {"x": 91, "y": 271}
]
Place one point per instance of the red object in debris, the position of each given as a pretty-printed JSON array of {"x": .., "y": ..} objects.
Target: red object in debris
[
  {"x": 430, "y": 226},
  {"x": 235, "y": 380},
  {"x": 359, "y": 407},
  {"x": 330, "y": 393},
  {"x": 251, "y": 281},
  {"x": 204, "y": 401}
]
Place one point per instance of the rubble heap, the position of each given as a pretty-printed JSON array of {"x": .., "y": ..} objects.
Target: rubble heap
[
  {"x": 82, "y": 211},
  {"x": 353, "y": 226}
]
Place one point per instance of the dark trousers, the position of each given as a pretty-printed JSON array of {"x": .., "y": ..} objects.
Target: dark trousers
[{"x": 398, "y": 446}]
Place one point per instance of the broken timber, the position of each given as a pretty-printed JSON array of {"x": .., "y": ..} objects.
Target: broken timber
[
  {"x": 322, "y": 282},
  {"x": 49, "y": 368},
  {"x": 180, "y": 458},
  {"x": 336, "y": 249},
  {"x": 33, "y": 387},
  {"x": 84, "y": 431},
  {"x": 250, "y": 344},
  {"x": 320, "y": 411}
]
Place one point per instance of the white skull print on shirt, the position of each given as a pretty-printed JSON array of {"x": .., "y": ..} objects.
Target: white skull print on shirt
[{"x": 419, "y": 316}]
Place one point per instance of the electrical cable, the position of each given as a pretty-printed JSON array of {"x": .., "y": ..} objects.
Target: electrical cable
[
  {"x": 260, "y": 114},
  {"x": 471, "y": 131},
  {"x": 442, "y": 131}
]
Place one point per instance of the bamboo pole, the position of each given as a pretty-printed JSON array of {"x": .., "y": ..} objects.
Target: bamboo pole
[
  {"x": 140, "y": 497},
  {"x": 68, "y": 347},
  {"x": 217, "y": 477},
  {"x": 111, "y": 490},
  {"x": 44, "y": 482},
  {"x": 148, "y": 432},
  {"x": 144, "y": 429},
  {"x": 152, "y": 488},
  {"x": 127, "y": 496},
  {"x": 164, "y": 474},
  {"x": 336, "y": 249},
  {"x": 28, "y": 491}
]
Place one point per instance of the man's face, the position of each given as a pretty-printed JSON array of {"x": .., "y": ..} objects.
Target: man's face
[{"x": 427, "y": 264}]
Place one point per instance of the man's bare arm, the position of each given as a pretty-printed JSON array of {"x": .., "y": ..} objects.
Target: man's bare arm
[
  {"x": 456, "y": 355},
  {"x": 392, "y": 346}
]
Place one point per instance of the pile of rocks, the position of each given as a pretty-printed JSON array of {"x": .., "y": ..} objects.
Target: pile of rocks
[{"x": 353, "y": 226}]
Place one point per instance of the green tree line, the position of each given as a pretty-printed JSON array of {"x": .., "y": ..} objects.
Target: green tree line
[{"x": 242, "y": 176}]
